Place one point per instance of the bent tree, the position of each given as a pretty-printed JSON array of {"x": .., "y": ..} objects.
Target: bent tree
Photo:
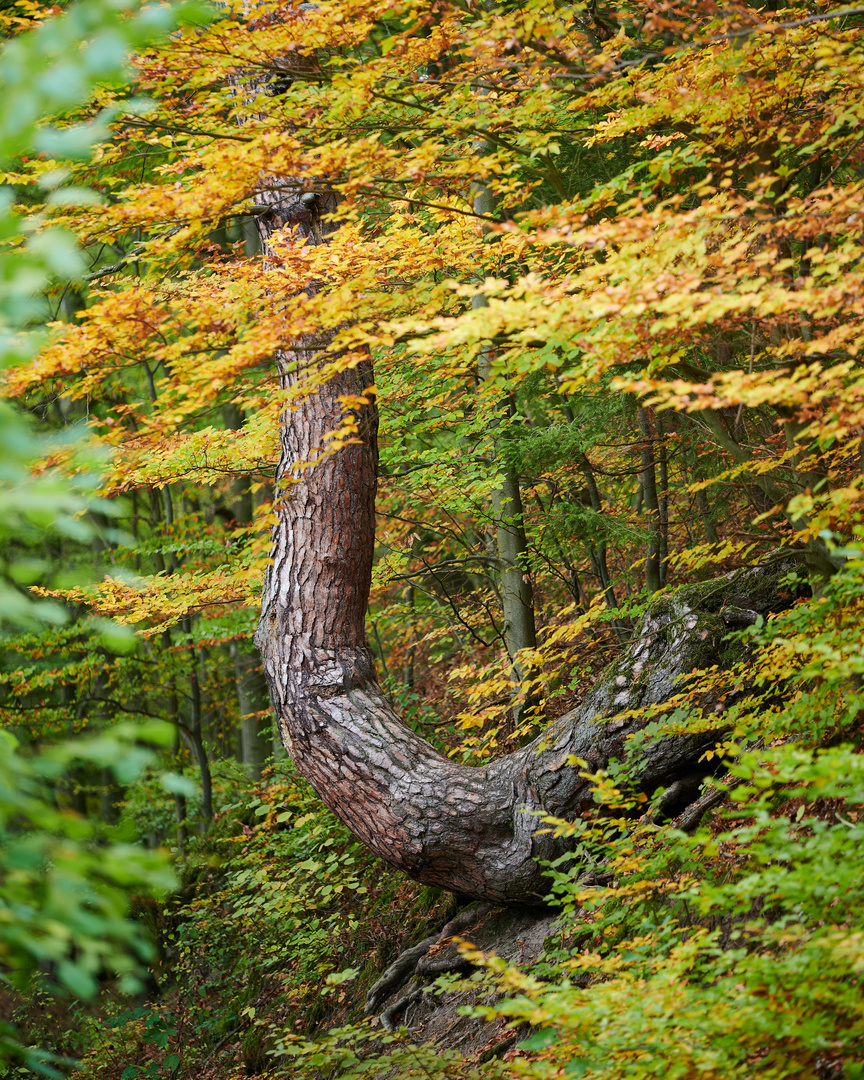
[
  {"x": 673, "y": 226},
  {"x": 472, "y": 830}
]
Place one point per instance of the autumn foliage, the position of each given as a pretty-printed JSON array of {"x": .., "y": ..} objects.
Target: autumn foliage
[{"x": 612, "y": 253}]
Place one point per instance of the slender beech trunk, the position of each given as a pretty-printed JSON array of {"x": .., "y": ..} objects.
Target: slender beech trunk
[
  {"x": 662, "y": 497},
  {"x": 193, "y": 733},
  {"x": 517, "y": 593},
  {"x": 711, "y": 535},
  {"x": 162, "y": 511},
  {"x": 252, "y": 701},
  {"x": 256, "y": 724},
  {"x": 652, "y": 507},
  {"x": 511, "y": 543},
  {"x": 180, "y": 814},
  {"x": 597, "y": 552},
  {"x": 110, "y": 796},
  {"x": 408, "y": 665},
  {"x": 194, "y": 739}
]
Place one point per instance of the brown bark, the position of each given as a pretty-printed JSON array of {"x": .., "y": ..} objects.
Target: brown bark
[{"x": 470, "y": 830}]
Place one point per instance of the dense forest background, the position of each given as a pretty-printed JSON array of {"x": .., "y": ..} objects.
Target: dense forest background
[{"x": 607, "y": 262}]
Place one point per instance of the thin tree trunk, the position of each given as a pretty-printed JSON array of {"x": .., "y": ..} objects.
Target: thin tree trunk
[
  {"x": 110, "y": 796},
  {"x": 702, "y": 502},
  {"x": 193, "y": 735},
  {"x": 256, "y": 724},
  {"x": 517, "y": 592},
  {"x": 180, "y": 814},
  {"x": 663, "y": 498},
  {"x": 199, "y": 749},
  {"x": 180, "y": 809},
  {"x": 408, "y": 665},
  {"x": 597, "y": 552},
  {"x": 652, "y": 508},
  {"x": 252, "y": 701}
]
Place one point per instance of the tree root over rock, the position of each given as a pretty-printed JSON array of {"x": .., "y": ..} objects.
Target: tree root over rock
[
  {"x": 515, "y": 934},
  {"x": 408, "y": 963}
]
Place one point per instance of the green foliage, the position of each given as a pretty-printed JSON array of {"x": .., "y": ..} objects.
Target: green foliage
[
  {"x": 278, "y": 871},
  {"x": 345, "y": 1051},
  {"x": 287, "y": 879},
  {"x": 65, "y": 880},
  {"x": 711, "y": 954},
  {"x": 48, "y": 71},
  {"x": 737, "y": 949},
  {"x": 45, "y": 73},
  {"x": 734, "y": 953},
  {"x": 149, "y": 811}
]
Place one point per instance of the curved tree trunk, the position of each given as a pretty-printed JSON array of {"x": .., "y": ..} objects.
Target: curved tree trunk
[{"x": 470, "y": 830}]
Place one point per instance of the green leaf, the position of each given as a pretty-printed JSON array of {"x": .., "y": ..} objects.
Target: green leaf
[
  {"x": 336, "y": 978},
  {"x": 540, "y": 1039},
  {"x": 577, "y": 1067},
  {"x": 75, "y": 978},
  {"x": 179, "y": 785}
]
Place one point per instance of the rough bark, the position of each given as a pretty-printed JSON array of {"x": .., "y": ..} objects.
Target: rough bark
[{"x": 470, "y": 830}]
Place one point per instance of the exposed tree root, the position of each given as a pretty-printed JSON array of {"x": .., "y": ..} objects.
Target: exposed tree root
[{"x": 409, "y": 962}]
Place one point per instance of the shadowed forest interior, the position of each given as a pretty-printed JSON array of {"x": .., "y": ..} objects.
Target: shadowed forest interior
[{"x": 432, "y": 578}]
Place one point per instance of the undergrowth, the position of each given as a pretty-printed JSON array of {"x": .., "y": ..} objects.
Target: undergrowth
[
  {"x": 735, "y": 951},
  {"x": 281, "y": 923}
]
